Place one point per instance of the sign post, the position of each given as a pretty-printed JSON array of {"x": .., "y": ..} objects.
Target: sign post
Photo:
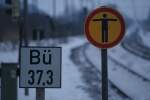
[
  {"x": 104, "y": 28},
  {"x": 104, "y": 67},
  {"x": 40, "y": 93}
]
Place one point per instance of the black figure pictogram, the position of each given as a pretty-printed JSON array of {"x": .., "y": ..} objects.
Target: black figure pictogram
[{"x": 104, "y": 22}]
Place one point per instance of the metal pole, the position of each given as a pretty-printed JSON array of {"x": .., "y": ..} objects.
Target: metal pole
[
  {"x": 25, "y": 17},
  {"x": 67, "y": 10},
  {"x": 40, "y": 94},
  {"x": 104, "y": 74},
  {"x": 72, "y": 10},
  {"x": 21, "y": 34},
  {"x": 54, "y": 17},
  {"x": 20, "y": 23},
  {"x": 54, "y": 8}
]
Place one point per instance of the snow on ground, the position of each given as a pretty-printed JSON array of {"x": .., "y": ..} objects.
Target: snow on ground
[
  {"x": 8, "y": 56},
  {"x": 71, "y": 77},
  {"x": 132, "y": 85},
  {"x": 132, "y": 62},
  {"x": 145, "y": 36},
  {"x": 114, "y": 93}
]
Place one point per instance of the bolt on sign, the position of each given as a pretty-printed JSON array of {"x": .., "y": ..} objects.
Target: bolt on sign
[
  {"x": 40, "y": 67},
  {"x": 104, "y": 27}
]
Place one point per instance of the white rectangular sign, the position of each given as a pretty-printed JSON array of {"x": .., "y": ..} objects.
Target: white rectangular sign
[{"x": 40, "y": 67}]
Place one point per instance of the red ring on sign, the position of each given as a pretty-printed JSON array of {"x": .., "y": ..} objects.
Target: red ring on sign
[{"x": 114, "y": 12}]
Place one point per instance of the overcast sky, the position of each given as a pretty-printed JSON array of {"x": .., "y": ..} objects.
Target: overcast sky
[
  {"x": 47, "y": 5},
  {"x": 133, "y": 8}
]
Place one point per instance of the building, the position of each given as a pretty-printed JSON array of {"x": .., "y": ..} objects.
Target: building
[{"x": 38, "y": 26}]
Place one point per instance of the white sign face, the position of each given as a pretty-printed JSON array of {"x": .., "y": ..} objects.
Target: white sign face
[{"x": 40, "y": 67}]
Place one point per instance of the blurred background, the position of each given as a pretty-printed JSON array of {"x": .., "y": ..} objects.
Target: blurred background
[
  {"x": 61, "y": 18},
  {"x": 61, "y": 23}
]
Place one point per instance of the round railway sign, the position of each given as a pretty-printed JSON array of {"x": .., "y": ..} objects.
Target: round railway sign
[{"x": 104, "y": 27}]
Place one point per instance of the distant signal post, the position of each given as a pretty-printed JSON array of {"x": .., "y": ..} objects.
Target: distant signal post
[{"x": 104, "y": 28}]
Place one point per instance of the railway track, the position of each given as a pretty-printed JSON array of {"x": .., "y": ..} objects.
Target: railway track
[
  {"x": 125, "y": 67},
  {"x": 134, "y": 44},
  {"x": 93, "y": 80},
  {"x": 137, "y": 85}
]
